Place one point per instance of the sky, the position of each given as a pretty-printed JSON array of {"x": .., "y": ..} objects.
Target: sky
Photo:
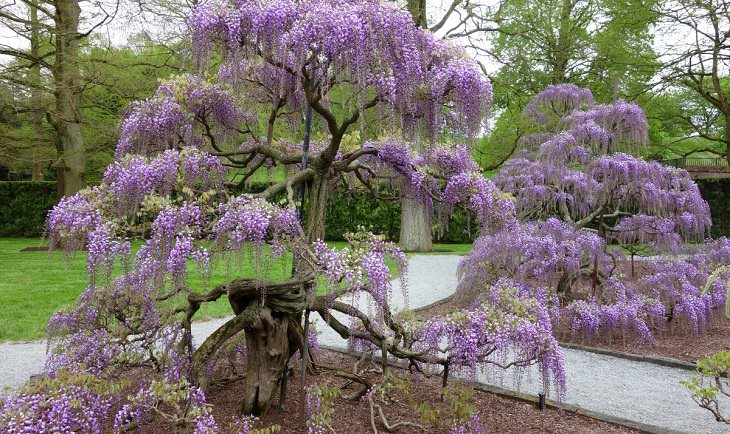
[{"x": 128, "y": 20}]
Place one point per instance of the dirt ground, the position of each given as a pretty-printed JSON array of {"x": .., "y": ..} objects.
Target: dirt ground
[{"x": 497, "y": 414}]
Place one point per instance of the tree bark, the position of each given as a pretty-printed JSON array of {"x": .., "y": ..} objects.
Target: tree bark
[
  {"x": 727, "y": 137},
  {"x": 415, "y": 216},
  {"x": 417, "y": 8},
  {"x": 268, "y": 313},
  {"x": 35, "y": 92},
  {"x": 415, "y": 223},
  {"x": 561, "y": 53},
  {"x": 66, "y": 118},
  {"x": 316, "y": 209},
  {"x": 267, "y": 346}
]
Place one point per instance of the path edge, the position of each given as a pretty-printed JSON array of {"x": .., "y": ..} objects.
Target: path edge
[{"x": 656, "y": 360}]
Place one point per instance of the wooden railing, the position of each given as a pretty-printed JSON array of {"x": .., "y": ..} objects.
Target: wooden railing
[{"x": 688, "y": 163}]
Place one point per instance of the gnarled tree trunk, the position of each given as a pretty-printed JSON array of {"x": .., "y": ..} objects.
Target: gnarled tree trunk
[
  {"x": 267, "y": 346},
  {"x": 269, "y": 314}
]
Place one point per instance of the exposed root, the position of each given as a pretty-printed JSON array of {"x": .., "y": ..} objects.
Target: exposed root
[{"x": 388, "y": 427}]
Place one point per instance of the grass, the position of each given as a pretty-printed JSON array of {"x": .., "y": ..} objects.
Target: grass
[{"x": 34, "y": 285}]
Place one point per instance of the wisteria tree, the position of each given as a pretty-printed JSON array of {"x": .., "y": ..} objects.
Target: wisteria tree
[
  {"x": 273, "y": 63},
  {"x": 576, "y": 171},
  {"x": 576, "y": 192}
]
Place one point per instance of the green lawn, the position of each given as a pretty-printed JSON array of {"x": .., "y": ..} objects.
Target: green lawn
[{"x": 33, "y": 285}]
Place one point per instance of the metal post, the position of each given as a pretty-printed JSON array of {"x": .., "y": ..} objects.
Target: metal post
[{"x": 302, "y": 190}]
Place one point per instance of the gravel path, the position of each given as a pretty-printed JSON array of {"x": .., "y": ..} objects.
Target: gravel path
[
  {"x": 18, "y": 361},
  {"x": 633, "y": 390},
  {"x": 637, "y": 391}
]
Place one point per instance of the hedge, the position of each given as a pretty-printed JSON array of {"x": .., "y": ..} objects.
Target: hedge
[
  {"x": 349, "y": 209},
  {"x": 717, "y": 193},
  {"x": 25, "y": 204}
]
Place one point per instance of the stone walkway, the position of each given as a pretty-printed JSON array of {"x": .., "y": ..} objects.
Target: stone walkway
[{"x": 638, "y": 391}]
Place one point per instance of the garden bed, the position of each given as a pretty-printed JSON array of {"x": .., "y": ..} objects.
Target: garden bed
[
  {"x": 682, "y": 343},
  {"x": 497, "y": 413}
]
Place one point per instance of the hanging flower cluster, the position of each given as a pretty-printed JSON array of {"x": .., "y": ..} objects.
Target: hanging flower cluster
[
  {"x": 556, "y": 101},
  {"x": 250, "y": 220},
  {"x": 181, "y": 113},
  {"x": 374, "y": 45},
  {"x": 362, "y": 266},
  {"x": 508, "y": 325},
  {"x": 543, "y": 253},
  {"x": 131, "y": 179},
  {"x": 69, "y": 403}
]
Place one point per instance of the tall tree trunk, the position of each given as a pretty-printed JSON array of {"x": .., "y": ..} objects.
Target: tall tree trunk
[
  {"x": 417, "y": 8},
  {"x": 561, "y": 53},
  {"x": 317, "y": 202},
  {"x": 727, "y": 137},
  {"x": 415, "y": 216},
  {"x": 35, "y": 92},
  {"x": 415, "y": 223},
  {"x": 67, "y": 93}
]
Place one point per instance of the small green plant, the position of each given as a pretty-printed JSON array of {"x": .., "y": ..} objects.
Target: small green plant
[
  {"x": 454, "y": 410},
  {"x": 320, "y": 407},
  {"x": 711, "y": 388},
  {"x": 246, "y": 425}
]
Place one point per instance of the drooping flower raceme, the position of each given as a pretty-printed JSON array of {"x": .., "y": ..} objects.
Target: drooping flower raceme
[{"x": 509, "y": 325}]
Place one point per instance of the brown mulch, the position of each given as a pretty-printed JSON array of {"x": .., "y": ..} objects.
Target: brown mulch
[
  {"x": 679, "y": 342},
  {"x": 498, "y": 414}
]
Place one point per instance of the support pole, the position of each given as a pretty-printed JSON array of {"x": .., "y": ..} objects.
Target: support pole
[{"x": 302, "y": 191}]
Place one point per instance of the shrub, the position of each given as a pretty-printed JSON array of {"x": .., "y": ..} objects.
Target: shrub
[{"x": 24, "y": 206}]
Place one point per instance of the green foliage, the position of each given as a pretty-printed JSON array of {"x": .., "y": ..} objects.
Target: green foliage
[
  {"x": 119, "y": 75},
  {"x": 604, "y": 45},
  {"x": 711, "y": 387},
  {"x": 320, "y": 406},
  {"x": 173, "y": 402},
  {"x": 350, "y": 209},
  {"x": 454, "y": 409},
  {"x": 24, "y": 206}
]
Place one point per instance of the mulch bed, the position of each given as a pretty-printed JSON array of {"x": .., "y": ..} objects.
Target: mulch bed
[
  {"x": 680, "y": 343},
  {"x": 498, "y": 414}
]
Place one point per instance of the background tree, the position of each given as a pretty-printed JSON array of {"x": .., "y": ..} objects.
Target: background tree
[
  {"x": 577, "y": 191},
  {"x": 578, "y": 173},
  {"x": 700, "y": 61},
  {"x": 603, "y": 45},
  {"x": 60, "y": 21}
]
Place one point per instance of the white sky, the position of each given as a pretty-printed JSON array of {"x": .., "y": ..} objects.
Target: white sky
[{"x": 127, "y": 22}]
